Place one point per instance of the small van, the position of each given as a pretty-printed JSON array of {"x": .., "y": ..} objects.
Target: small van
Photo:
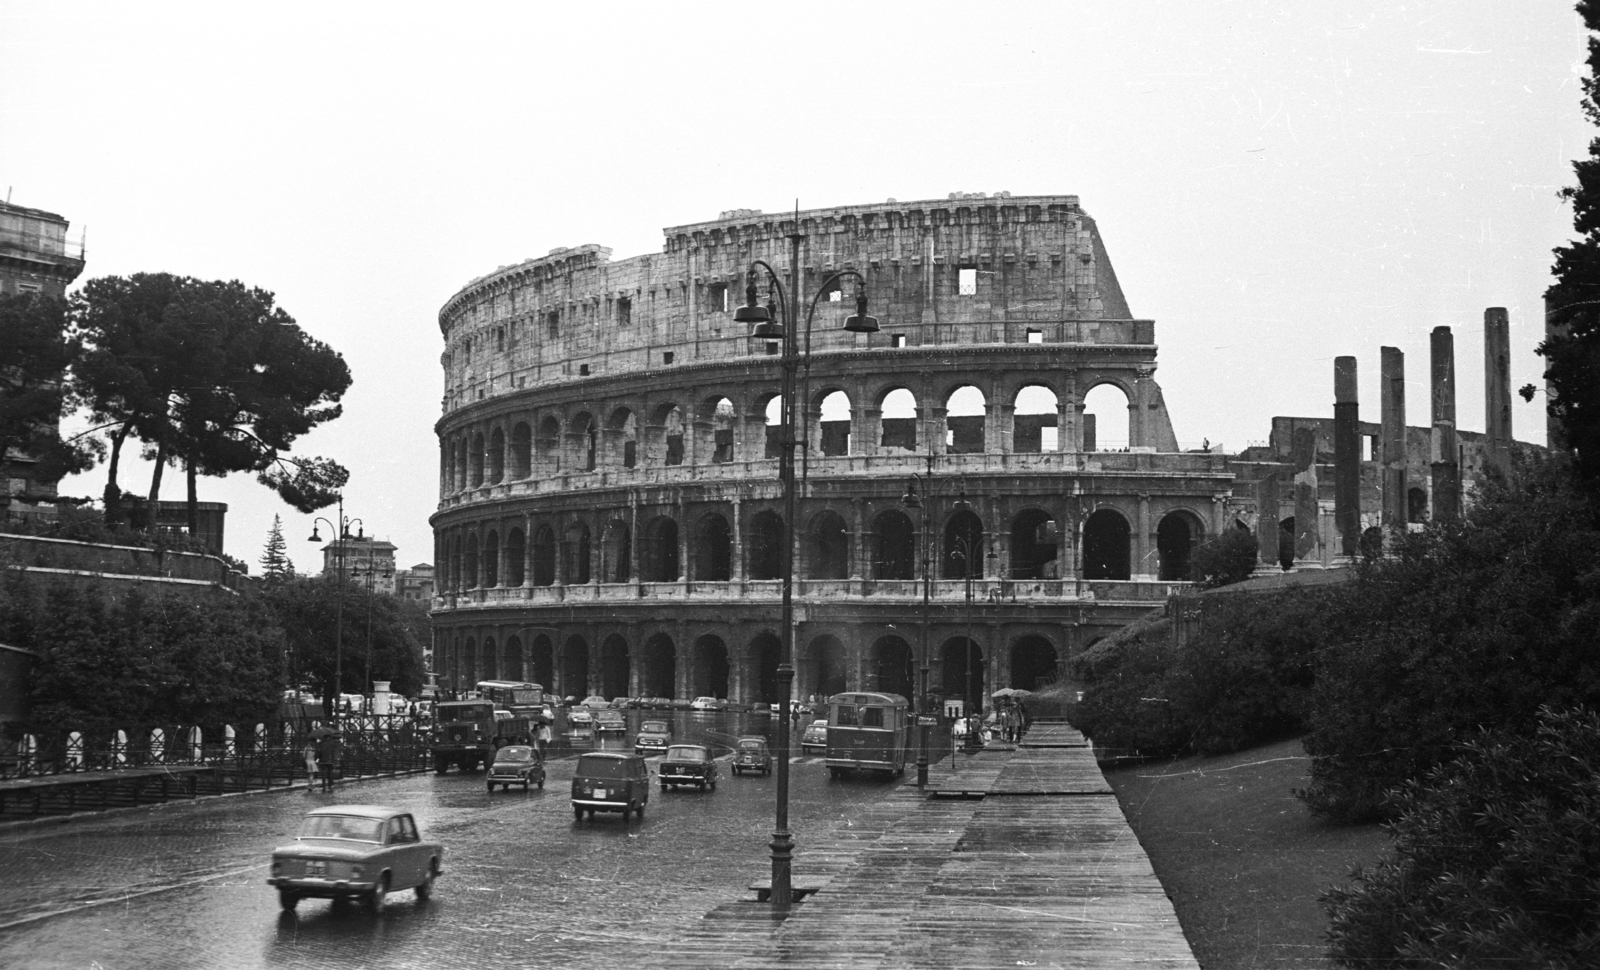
[{"x": 610, "y": 781}]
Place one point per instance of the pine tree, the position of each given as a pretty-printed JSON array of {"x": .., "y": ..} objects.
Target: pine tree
[
  {"x": 1572, "y": 347},
  {"x": 275, "y": 562}
]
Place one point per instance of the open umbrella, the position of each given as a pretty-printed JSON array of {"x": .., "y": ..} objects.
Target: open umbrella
[
  {"x": 1019, "y": 692},
  {"x": 1003, "y": 692},
  {"x": 320, "y": 732}
]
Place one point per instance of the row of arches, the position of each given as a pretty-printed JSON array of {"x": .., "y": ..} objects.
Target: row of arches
[
  {"x": 569, "y": 552},
  {"x": 960, "y": 665},
  {"x": 715, "y": 431}
]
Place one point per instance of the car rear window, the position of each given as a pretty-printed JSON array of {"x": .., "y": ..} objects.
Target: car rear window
[
  {"x": 653, "y": 727},
  {"x": 751, "y": 745},
  {"x": 349, "y": 827},
  {"x": 515, "y": 753},
  {"x": 602, "y": 767},
  {"x": 686, "y": 754}
]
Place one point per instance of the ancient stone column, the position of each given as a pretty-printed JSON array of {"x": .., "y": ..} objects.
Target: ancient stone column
[
  {"x": 1307, "y": 511},
  {"x": 1267, "y": 526},
  {"x": 1346, "y": 459},
  {"x": 1497, "y": 387},
  {"x": 1393, "y": 384},
  {"x": 1444, "y": 461}
]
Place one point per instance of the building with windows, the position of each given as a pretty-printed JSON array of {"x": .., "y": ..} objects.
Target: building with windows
[
  {"x": 366, "y": 561},
  {"x": 609, "y": 516}
]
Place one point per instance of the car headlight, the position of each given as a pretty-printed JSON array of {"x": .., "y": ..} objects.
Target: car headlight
[
  {"x": 355, "y": 872},
  {"x": 277, "y": 867}
]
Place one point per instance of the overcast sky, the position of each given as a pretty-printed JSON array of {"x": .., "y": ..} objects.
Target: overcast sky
[{"x": 1276, "y": 187}]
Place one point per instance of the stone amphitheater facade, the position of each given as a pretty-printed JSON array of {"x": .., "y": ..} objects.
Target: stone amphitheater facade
[{"x": 609, "y": 503}]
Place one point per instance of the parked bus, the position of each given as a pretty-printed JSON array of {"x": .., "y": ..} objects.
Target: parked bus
[
  {"x": 870, "y": 731},
  {"x": 519, "y": 697}
]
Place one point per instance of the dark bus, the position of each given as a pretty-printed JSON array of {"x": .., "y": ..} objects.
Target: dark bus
[
  {"x": 519, "y": 697},
  {"x": 868, "y": 731}
]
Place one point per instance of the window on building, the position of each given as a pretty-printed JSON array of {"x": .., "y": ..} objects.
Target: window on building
[
  {"x": 500, "y": 340},
  {"x": 717, "y": 297},
  {"x": 553, "y": 322},
  {"x": 897, "y": 340},
  {"x": 1035, "y": 336},
  {"x": 967, "y": 281},
  {"x": 624, "y": 311}
]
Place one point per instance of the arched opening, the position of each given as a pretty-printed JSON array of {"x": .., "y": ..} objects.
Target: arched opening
[
  {"x": 456, "y": 577},
  {"x": 542, "y": 662},
  {"x": 828, "y": 547},
  {"x": 898, "y": 418},
  {"x": 467, "y": 673},
  {"x": 765, "y": 546},
  {"x": 470, "y": 560},
  {"x": 491, "y": 559},
  {"x": 833, "y": 424},
  {"x": 1105, "y": 546},
  {"x": 765, "y": 650},
  {"x": 1034, "y": 420},
  {"x": 547, "y": 447},
  {"x": 964, "y": 421},
  {"x": 1105, "y": 419},
  {"x": 497, "y": 457},
  {"x": 824, "y": 667},
  {"x": 490, "y": 662},
  {"x": 622, "y": 434},
  {"x": 514, "y": 661},
  {"x": 710, "y": 674},
  {"x": 1286, "y": 543},
  {"x": 722, "y": 422},
  {"x": 713, "y": 561},
  {"x": 476, "y": 459},
  {"x": 773, "y": 409},
  {"x": 889, "y": 667},
  {"x": 658, "y": 559},
  {"x": 617, "y": 552},
  {"x": 963, "y": 546},
  {"x": 1034, "y": 546},
  {"x": 1416, "y": 505},
  {"x": 461, "y": 463},
  {"x": 544, "y": 556},
  {"x": 658, "y": 669},
  {"x": 961, "y": 672},
  {"x": 1033, "y": 663},
  {"x": 575, "y": 554},
  {"x": 584, "y": 442},
  {"x": 1176, "y": 537},
  {"x": 521, "y": 450},
  {"x": 614, "y": 667},
  {"x": 516, "y": 552},
  {"x": 575, "y": 668},
  {"x": 672, "y": 435},
  {"x": 894, "y": 545}
]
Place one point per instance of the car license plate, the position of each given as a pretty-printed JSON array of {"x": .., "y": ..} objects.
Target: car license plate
[
  {"x": 316, "y": 868},
  {"x": 599, "y": 793}
]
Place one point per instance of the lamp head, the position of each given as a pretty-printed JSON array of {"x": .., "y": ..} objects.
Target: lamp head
[
  {"x": 911, "y": 500},
  {"x": 314, "y": 537},
  {"x": 861, "y": 322},
  {"x": 752, "y": 312},
  {"x": 961, "y": 503}
]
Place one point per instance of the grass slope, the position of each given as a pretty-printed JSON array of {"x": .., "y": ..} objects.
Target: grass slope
[{"x": 1241, "y": 857}]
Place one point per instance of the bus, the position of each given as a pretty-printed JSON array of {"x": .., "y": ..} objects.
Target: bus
[
  {"x": 521, "y": 698},
  {"x": 868, "y": 731}
]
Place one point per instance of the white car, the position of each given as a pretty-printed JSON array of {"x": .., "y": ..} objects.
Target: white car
[
  {"x": 707, "y": 704},
  {"x": 580, "y": 715}
]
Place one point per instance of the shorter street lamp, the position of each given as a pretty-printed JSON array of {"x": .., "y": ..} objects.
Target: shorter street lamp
[
  {"x": 932, "y": 486},
  {"x": 342, "y": 530}
]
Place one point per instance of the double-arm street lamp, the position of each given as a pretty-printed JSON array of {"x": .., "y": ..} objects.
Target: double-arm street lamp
[
  {"x": 932, "y": 486},
  {"x": 372, "y": 575},
  {"x": 765, "y": 325},
  {"x": 342, "y": 532}
]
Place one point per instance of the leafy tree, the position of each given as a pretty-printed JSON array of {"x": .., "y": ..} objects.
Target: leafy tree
[
  {"x": 275, "y": 564},
  {"x": 210, "y": 374},
  {"x": 1228, "y": 557},
  {"x": 34, "y": 357},
  {"x": 1572, "y": 353},
  {"x": 308, "y": 612},
  {"x": 1494, "y": 859}
]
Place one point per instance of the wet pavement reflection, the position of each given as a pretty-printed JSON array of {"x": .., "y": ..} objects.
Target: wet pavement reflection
[{"x": 184, "y": 885}]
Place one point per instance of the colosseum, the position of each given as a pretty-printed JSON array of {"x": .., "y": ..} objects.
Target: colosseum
[{"x": 610, "y": 511}]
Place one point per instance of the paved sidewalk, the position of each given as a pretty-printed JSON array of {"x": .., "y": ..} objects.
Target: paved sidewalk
[{"x": 1015, "y": 856}]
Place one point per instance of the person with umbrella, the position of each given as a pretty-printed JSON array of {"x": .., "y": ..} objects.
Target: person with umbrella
[{"x": 328, "y": 747}]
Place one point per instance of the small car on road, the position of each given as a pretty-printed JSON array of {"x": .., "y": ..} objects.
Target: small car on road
[
  {"x": 815, "y": 738},
  {"x": 654, "y": 735},
  {"x": 688, "y": 764},
  {"x": 516, "y": 764},
  {"x": 751, "y": 754},
  {"x": 610, "y": 781},
  {"x": 707, "y": 704},
  {"x": 363, "y": 852},
  {"x": 594, "y": 702},
  {"x": 610, "y": 722}
]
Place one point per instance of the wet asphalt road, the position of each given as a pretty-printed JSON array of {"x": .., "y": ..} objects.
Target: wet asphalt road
[{"x": 184, "y": 885}]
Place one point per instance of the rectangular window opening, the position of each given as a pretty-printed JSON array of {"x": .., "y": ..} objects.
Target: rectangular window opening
[
  {"x": 897, "y": 340},
  {"x": 667, "y": 356},
  {"x": 624, "y": 311},
  {"x": 1035, "y": 336},
  {"x": 583, "y": 370},
  {"x": 718, "y": 297},
  {"x": 553, "y": 321},
  {"x": 967, "y": 281}
]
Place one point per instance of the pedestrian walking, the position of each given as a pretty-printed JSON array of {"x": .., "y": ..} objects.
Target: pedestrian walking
[
  {"x": 542, "y": 738},
  {"x": 311, "y": 766},
  {"x": 328, "y": 748}
]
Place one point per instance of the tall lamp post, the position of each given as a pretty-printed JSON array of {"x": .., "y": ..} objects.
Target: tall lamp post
[
  {"x": 372, "y": 575},
  {"x": 932, "y": 486},
  {"x": 342, "y": 532},
  {"x": 765, "y": 325}
]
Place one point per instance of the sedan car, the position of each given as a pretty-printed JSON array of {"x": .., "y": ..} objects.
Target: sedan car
[
  {"x": 751, "y": 754},
  {"x": 654, "y": 735},
  {"x": 688, "y": 764},
  {"x": 355, "y": 851},
  {"x": 580, "y": 717},
  {"x": 815, "y": 738},
  {"x": 707, "y": 704},
  {"x": 516, "y": 764},
  {"x": 610, "y": 722},
  {"x": 595, "y": 702}
]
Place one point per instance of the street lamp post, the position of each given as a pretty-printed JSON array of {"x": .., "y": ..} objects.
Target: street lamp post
[
  {"x": 932, "y": 486},
  {"x": 765, "y": 325},
  {"x": 372, "y": 575},
  {"x": 342, "y": 533}
]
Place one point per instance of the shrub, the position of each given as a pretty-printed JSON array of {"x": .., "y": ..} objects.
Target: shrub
[
  {"x": 1124, "y": 705},
  {"x": 1226, "y": 558},
  {"x": 1496, "y": 859}
]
